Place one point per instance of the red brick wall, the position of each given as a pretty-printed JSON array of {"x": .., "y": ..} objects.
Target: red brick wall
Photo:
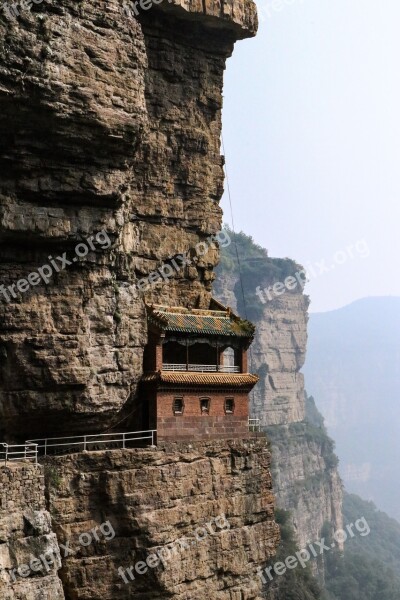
[{"x": 192, "y": 424}]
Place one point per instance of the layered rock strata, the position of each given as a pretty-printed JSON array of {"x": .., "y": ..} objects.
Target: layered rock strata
[
  {"x": 160, "y": 499},
  {"x": 111, "y": 125},
  {"x": 107, "y": 124}
]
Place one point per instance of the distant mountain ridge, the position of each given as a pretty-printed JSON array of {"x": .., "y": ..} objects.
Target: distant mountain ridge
[{"x": 353, "y": 368}]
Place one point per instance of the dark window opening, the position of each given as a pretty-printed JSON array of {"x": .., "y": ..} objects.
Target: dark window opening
[
  {"x": 205, "y": 406},
  {"x": 178, "y": 406},
  {"x": 229, "y": 405},
  {"x": 203, "y": 354},
  {"x": 174, "y": 353}
]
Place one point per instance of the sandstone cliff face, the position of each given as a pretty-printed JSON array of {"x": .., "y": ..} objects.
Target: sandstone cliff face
[
  {"x": 26, "y": 533},
  {"x": 107, "y": 123},
  {"x": 204, "y": 510},
  {"x": 306, "y": 480},
  {"x": 279, "y": 354},
  {"x": 111, "y": 124},
  {"x": 155, "y": 499}
]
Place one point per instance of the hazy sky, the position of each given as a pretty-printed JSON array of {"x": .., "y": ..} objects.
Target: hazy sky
[{"x": 312, "y": 140}]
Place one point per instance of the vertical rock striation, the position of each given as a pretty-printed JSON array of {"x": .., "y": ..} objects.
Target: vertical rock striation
[{"x": 279, "y": 353}]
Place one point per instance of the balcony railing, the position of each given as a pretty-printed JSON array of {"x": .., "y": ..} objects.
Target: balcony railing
[
  {"x": 201, "y": 368},
  {"x": 23, "y": 452}
]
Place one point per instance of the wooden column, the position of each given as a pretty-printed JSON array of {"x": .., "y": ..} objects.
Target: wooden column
[
  {"x": 159, "y": 354},
  {"x": 244, "y": 364}
]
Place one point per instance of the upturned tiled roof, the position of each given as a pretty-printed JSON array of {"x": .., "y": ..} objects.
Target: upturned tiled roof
[
  {"x": 209, "y": 322},
  {"x": 192, "y": 378}
]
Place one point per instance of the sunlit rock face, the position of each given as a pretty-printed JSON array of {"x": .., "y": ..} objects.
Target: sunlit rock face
[
  {"x": 108, "y": 124},
  {"x": 159, "y": 502}
]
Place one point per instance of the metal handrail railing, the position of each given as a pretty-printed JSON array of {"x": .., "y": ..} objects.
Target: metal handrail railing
[
  {"x": 201, "y": 368},
  {"x": 86, "y": 442},
  {"x": 19, "y": 452}
]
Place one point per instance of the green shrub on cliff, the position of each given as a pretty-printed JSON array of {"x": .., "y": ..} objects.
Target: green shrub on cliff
[{"x": 256, "y": 269}]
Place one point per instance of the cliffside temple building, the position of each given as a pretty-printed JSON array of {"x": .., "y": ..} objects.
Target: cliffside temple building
[{"x": 196, "y": 383}]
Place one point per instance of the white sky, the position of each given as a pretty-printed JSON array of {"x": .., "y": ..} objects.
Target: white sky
[{"x": 312, "y": 140}]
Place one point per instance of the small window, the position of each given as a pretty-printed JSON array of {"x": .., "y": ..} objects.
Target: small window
[
  {"x": 229, "y": 406},
  {"x": 205, "y": 406},
  {"x": 178, "y": 406}
]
